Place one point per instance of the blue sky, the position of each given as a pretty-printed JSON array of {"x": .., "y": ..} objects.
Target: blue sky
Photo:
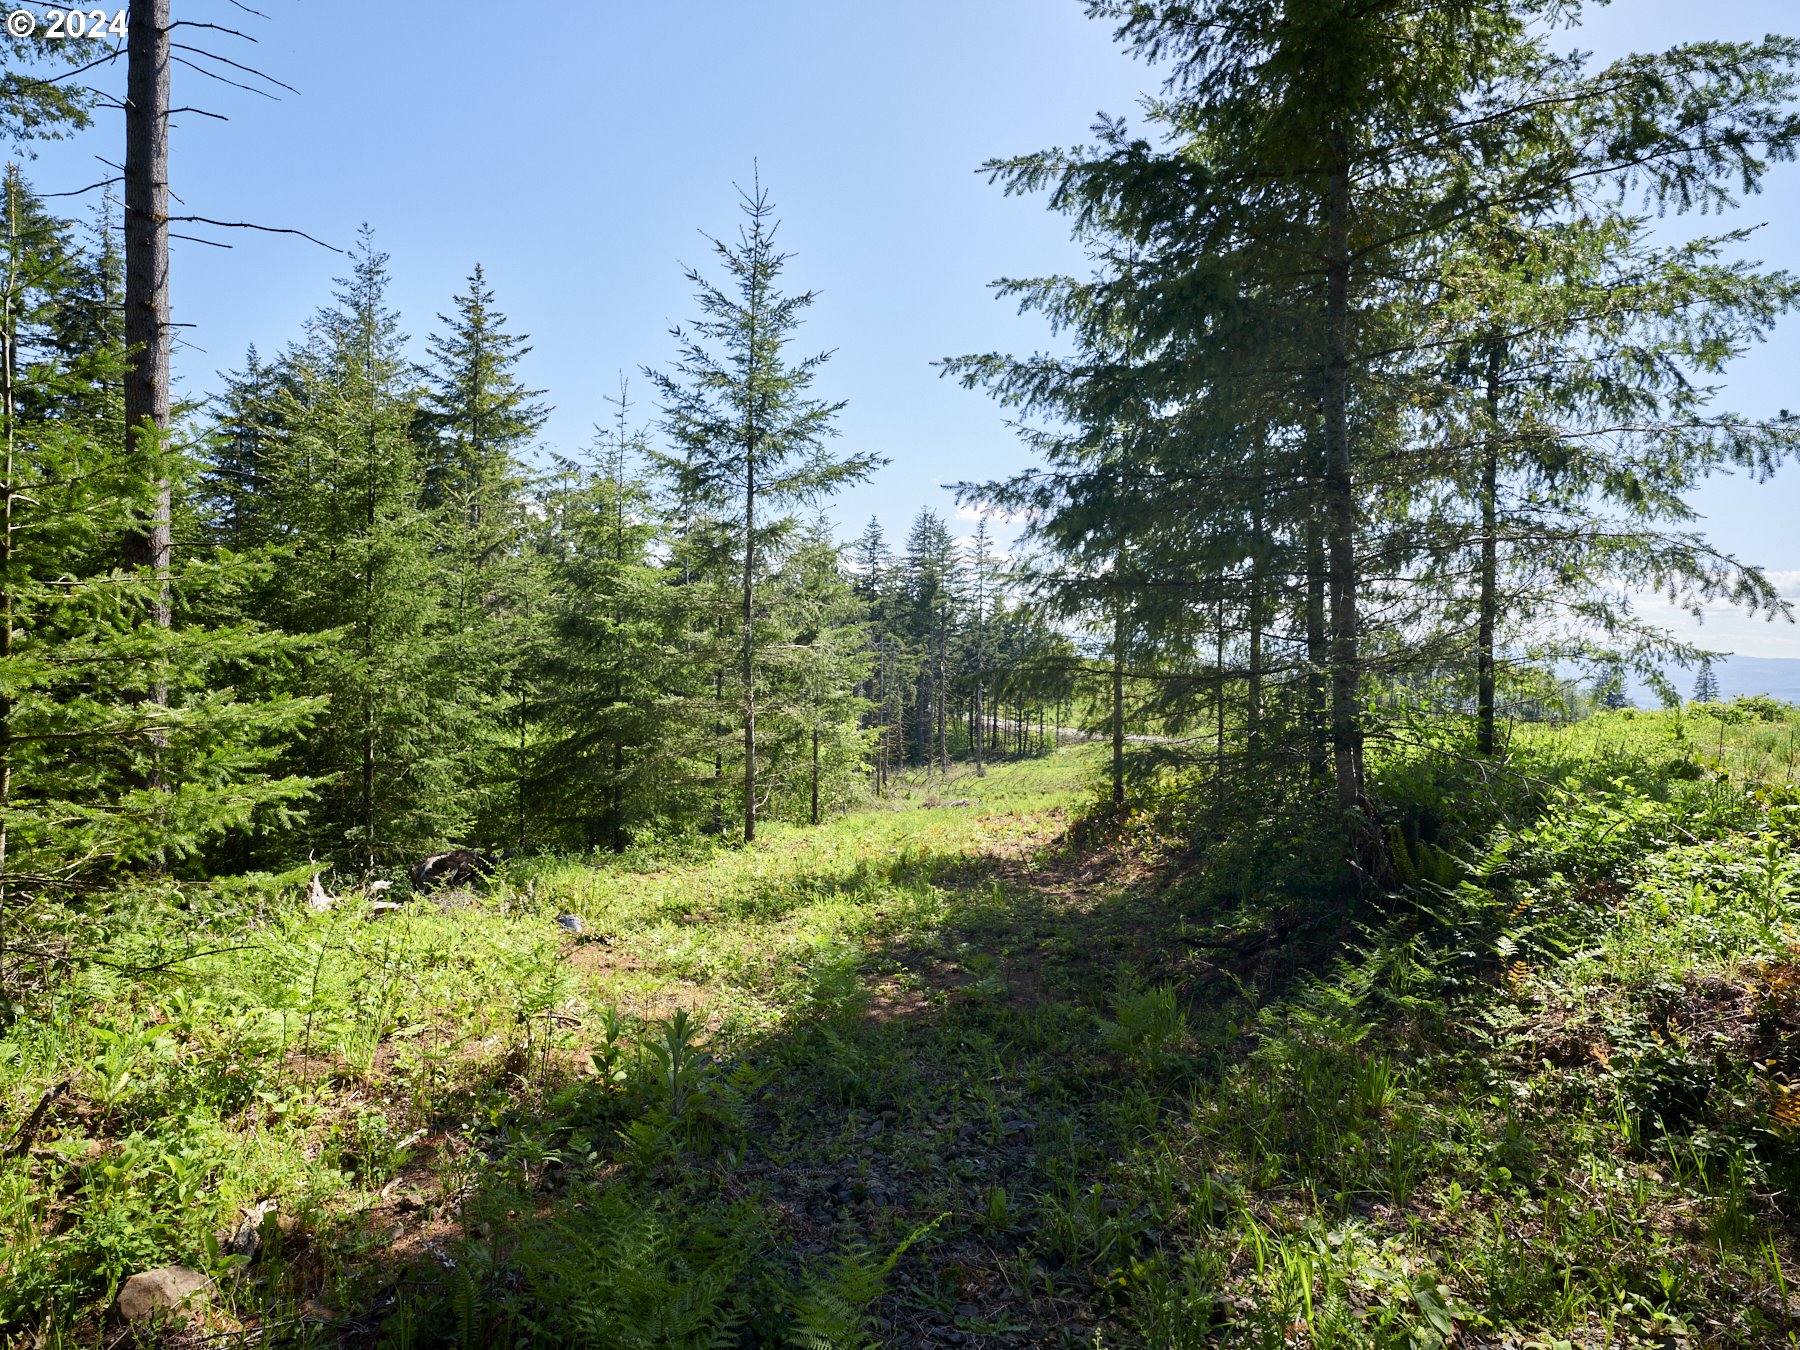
[{"x": 577, "y": 150}]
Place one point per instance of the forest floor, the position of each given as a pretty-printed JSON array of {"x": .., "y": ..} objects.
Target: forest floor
[{"x": 933, "y": 1075}]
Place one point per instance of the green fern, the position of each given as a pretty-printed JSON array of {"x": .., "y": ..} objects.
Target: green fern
[{"x": 831, "y": 1309}]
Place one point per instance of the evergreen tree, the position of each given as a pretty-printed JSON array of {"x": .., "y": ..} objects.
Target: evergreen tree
[
  {"x": 243, "y": 421},
  {"x": 96, "y": 777},
  {"x": 884, "y": 686},
  {"x": 1609, "y": 691},
  {"x": 1245, "y": 424},
  {"x": 343, "y": 504},
  {"x": 1706, "y": 684},
  {"x": 752, "y": 439},
  {"x": 983, "y": 601},
  {"x": 812, "y": 710},
  {"x": 611, "y": 688},
  {"x": 1577, "y": 419},
  {"x": 934, "y": 594},
  {"x": 478, "y": 423},
  {"x": 480, "y": 419}
]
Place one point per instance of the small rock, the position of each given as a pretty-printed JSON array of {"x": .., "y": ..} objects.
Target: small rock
[
  {"x": 967, "y": 1312},
  {"x": 173, "y": 1291},
  {"x": 569, "y": 923}
]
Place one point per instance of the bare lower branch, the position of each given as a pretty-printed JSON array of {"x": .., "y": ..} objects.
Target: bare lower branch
[
  {"x": 245, "y": 225},
  {"x": 217, "y": 27},
  {"x": 214, "y": 75},
  {"x": 235, "y": 65},
  {"x": 112, "y": 55},
  {"x": 104, "y": 182}
]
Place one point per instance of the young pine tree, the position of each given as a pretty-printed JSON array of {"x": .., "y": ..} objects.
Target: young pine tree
[
  {"x": 479, "y": 421},
  {"x": 752, "y": 439},
  {"x": 813, "y": 727},
  {"x": 344, "y": 487},
  {"x": 934, "y": 584},
  {"x": 1706, "y": 683},
  {"x": 610, "y": 689}
]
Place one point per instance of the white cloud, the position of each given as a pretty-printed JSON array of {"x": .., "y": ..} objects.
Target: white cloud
[{"x": 1725, "y": 628}]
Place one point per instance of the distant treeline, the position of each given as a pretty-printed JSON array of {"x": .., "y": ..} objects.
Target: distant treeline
[{"x": 394, "y": 627}]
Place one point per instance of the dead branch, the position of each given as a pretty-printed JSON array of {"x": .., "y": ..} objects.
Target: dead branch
[
  {"x": 227, "y": 61},
  {"x": 217, "y": 27},
  {"x": 214, "y": 75},
  {"x": 27, "y": 1133},
  {"x": 245, "y": 225},
  {"x": 104, "y": 182}
]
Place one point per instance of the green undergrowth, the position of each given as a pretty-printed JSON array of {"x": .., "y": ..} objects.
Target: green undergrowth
[{"x": 932, "y": 1075}]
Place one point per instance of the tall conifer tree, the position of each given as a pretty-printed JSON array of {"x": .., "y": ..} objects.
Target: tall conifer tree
[
  {"x": 345, "y": 482},
  {"x": 753, "y": 440},
  {"x": 479, "y": 423}
]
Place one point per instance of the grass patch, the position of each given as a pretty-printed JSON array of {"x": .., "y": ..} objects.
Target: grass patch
[{"x": 930, "y": 1075}]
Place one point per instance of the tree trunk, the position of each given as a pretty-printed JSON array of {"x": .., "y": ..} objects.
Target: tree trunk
[
  {"x": 1317, "y": 712},
  {"x": 368, "y": 784},
  {"x": 815, "y": 776},
  {"x": 721, "y": 729},
  {"x": 748, "y": 656},
  {"x": 1490, "y": 558},
  {"x": 979, "y": 730},
  {"x": 618, "y": 798},
  {"x": 371, "y": 520},
  {"x": 1118, "y": 704},
  {"x": 1368, "y": 854},
  {"x": 520, "y": 774},
  {"x": 1253, "y": 684},
  {"x": 943, "y": 705},
  {"x": 147, "y": 282},
  {"x": 9, "y": 337},
  {"x": 1219, "y": 697},
  {"x": 1340, "y": 502}
]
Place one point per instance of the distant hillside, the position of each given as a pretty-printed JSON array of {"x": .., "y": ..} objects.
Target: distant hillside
[{"x": 1776, "y": 676}]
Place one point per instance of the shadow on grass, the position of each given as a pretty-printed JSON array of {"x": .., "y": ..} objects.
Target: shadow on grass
[{"x": 957, "y": 1094}]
